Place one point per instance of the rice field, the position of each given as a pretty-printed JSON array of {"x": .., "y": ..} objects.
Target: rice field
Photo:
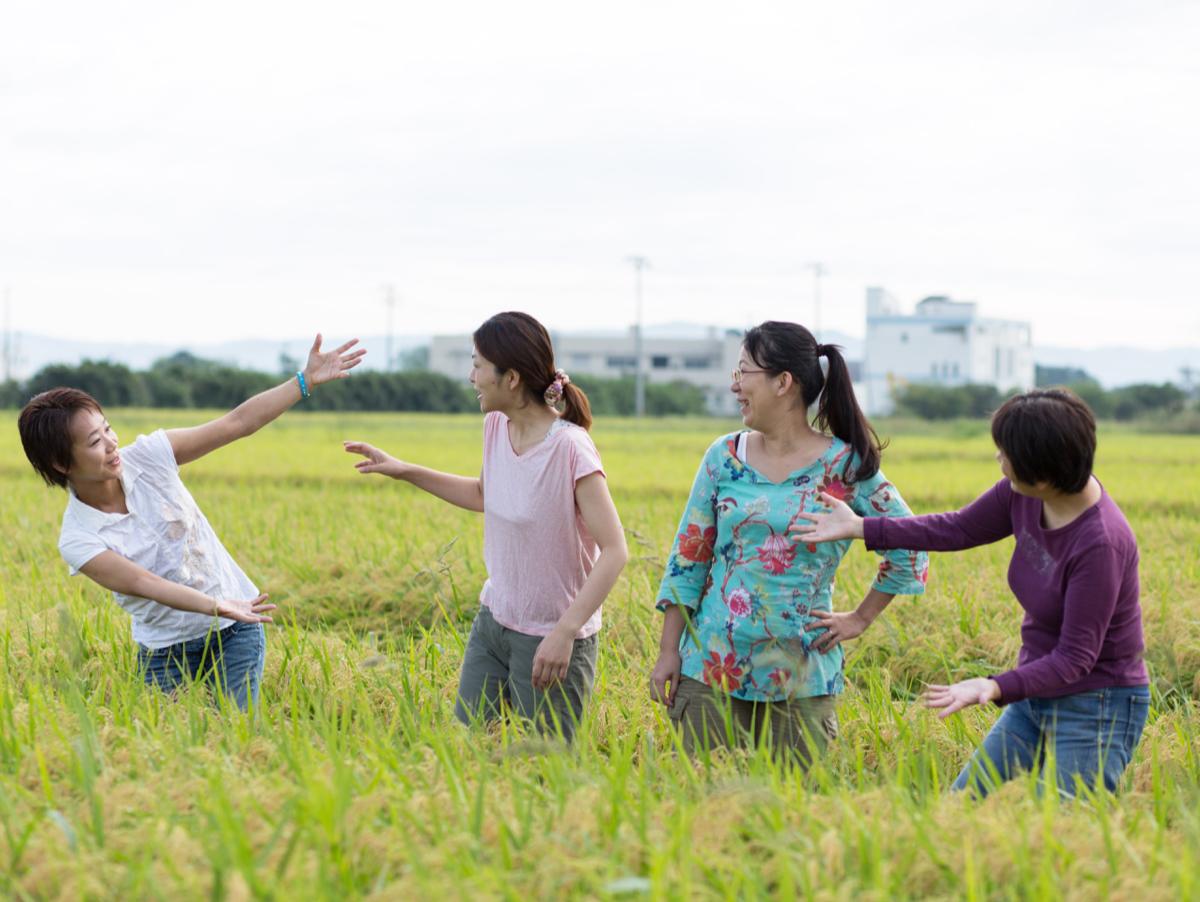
[{"x": 354, "y": 781}]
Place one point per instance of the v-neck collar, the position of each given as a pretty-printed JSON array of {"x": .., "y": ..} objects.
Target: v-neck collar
[
  {"x": 790, "y": 477},
  {"x": 554, "y": 429}
]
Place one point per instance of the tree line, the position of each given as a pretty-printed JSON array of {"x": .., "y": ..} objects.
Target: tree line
[
  {"x": 183, "y": 380},
  {"x": 1130, "y": 402}
]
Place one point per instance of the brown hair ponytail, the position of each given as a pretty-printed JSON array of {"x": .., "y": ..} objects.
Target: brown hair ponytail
[{"x": 576, "y": 407}]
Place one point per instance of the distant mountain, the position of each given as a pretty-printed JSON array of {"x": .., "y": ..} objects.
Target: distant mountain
[{"x": 1112, "y": 366}]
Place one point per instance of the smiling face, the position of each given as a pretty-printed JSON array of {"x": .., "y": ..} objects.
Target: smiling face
[
  {"x": 761, "y": 396},
  {"x": 489, "y": 385},
  {"x": 94, "y": 454}
]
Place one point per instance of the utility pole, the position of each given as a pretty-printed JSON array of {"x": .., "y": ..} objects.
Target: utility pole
[
  {"x": 818, "y": 270},
  {"x": 389, "y": 301},
  {"x": 7, "y": 350},
  {"x": 1188, "y": 374},
  {"x": 639, "y": 263}
]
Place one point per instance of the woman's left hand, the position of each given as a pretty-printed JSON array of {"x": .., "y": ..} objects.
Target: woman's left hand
[
  {"x": 330, "y": 365},
  {"x": 552, "y": 659},
  {"x": 961, "y": 695},
  {"x": 838, "y": 628}
]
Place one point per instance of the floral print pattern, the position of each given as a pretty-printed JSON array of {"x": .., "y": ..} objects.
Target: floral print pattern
[
  {"x": 776, "y": 553},
  {"x": 749, "y": 591},
  {"x": 697, "y": 545}
]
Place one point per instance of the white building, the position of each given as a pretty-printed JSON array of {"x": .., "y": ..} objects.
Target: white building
[
  {"x": 944, "y": 342},
  {"x": 703, "y": 361}
]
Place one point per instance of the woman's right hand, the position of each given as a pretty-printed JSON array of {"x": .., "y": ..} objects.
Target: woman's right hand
[
  {"x": 841, "y": 522},
  {"x": 664, "y": 679},
  {"x": 253, "y": 610},
  {"x": 376, "y": 461}
]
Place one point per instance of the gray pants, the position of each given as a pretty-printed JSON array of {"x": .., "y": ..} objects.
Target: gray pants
[
  {"x": 800, "y": 727},
  {"x": 498, "y": 670}
]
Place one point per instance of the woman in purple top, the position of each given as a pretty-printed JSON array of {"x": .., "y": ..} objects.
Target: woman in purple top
[{"x": 1080, "y": 688}]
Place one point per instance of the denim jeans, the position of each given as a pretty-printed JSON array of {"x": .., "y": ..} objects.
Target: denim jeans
[
  {"x": 1090, "y": 736},
  {"x": 230, "y": 660},
  {"x": 498, "y": 669}
]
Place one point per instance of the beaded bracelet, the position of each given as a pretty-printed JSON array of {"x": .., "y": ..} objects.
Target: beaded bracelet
[{"x": 303, "y": 384}]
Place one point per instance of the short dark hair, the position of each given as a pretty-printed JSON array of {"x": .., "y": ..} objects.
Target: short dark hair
[
  {"x": 1048, "y": 435},
  {"x": 45, "y": 425}
]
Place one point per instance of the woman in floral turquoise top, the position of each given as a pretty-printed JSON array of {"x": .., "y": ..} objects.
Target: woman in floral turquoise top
[{"x": 750, "y": 644}]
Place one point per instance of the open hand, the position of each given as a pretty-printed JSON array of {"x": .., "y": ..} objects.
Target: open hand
[
  {"x": 330, "y": 365},
  {"x": 961, "y": 695},
  {"x": 375, "y": 460},
  {"x": 552, "y": 659},
  {"x": 664, "y": 679},
  {"x": 839, "y": 523},
  {"x": 253, "y": 610}
]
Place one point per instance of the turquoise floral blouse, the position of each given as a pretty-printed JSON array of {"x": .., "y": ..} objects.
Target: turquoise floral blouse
[{"x": 749, "y": 589}]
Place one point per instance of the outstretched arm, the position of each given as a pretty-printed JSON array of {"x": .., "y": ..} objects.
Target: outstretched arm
[
  {"x": 119, "y": 574},
  {"x": 983, "y": 521},
  {"x": 251, "y": 415},
  {"x": 463, "y": 491}
]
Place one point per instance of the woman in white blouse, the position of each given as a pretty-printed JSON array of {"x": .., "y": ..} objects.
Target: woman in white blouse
[{"x": 133, "y": 527}]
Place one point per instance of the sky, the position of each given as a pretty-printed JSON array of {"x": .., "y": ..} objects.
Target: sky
[{"x": 207, "y": 172}]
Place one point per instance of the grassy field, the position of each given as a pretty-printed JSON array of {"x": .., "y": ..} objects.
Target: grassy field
[{"x": 354, "y": 780}]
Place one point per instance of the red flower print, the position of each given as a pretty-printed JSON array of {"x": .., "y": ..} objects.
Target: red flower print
[
  {"x": 779, "y": 677},
  {"x": 724, "y": 674},
  {"x": 739, "y": 602},
  {"x": 921, "y": 573},
  {"x": 776, "y": 554},
  {"x": 696, "y": 545},
  {"x": 836, "y": 487}
]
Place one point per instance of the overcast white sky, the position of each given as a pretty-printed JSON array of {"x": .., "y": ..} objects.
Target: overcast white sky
[{"x": 235, "y": 170}]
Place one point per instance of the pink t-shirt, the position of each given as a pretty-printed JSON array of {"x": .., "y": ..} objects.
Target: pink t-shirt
[{"x": 536, "y": 547}]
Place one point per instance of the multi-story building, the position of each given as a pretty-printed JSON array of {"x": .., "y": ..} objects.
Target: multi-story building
[
  {"x": 705, "y": 361},
  {"x": 943, "y": 342}
]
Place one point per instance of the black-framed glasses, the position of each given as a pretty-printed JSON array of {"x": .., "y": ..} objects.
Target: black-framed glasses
[{"x": 737, "y": 373}]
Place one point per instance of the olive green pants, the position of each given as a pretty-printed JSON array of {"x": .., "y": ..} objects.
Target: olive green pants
[
  {"x": 497, "y": 671},
  {"x": 802, "y": 727}
]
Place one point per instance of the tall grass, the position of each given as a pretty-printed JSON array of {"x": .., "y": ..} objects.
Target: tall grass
[{"x": 353, "y": 780}]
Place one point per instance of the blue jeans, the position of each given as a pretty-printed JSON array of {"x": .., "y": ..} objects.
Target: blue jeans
[
  {"x": 231, "y": 660},
  {"x": 1089, "y": 735}
]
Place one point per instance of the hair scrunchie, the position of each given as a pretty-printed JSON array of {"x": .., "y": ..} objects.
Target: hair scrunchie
[{"x": 554, "y": 391}]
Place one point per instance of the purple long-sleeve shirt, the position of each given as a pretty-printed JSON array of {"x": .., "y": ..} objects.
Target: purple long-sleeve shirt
[{"x": 1078, "y": 585}]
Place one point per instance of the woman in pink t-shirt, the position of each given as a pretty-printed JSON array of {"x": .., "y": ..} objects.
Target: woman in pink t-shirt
[{"x": 552, "y": 541}]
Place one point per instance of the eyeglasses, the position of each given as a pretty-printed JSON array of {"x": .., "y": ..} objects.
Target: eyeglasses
[{"x": 737, "y": 373}]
